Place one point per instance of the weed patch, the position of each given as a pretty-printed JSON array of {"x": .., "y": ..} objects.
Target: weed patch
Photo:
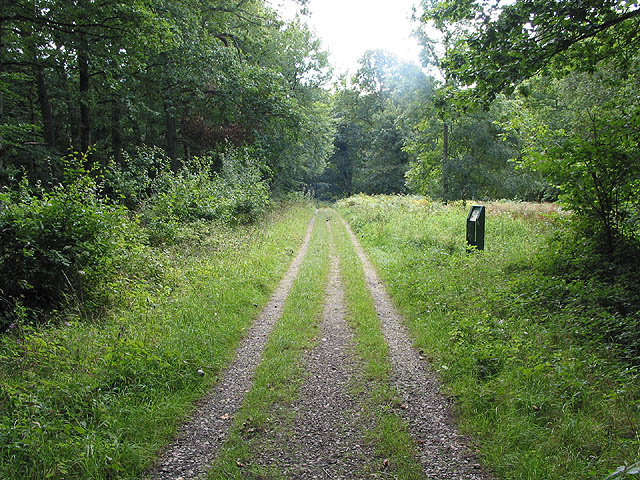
[
  {"x": 543, "y": 401},
  {"x": 98, "y": 400}
]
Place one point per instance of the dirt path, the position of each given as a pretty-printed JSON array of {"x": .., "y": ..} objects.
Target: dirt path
[
  {"x": 444, "y": 453},
  {"x": 326, "y": 440},
  {"x": 200, "y": 439}
]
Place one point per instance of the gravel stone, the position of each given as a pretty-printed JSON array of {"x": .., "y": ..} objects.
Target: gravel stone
[
  {"x": 445, "y": 454},
  {"x": 200, "y": 439},
  {"x": 326, "y": 440}
]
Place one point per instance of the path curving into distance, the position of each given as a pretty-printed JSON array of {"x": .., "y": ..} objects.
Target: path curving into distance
[
  {"x": 444, "y": 453},
  {"x": 200, "y": 439}
]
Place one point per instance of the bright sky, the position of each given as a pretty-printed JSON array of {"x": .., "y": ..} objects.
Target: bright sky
[{"x": 350, "y": 27}]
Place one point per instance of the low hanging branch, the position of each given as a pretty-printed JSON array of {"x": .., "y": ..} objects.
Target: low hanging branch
[
  {"x": 225, "y": 38},
  {"x": 527, "y": 35}
]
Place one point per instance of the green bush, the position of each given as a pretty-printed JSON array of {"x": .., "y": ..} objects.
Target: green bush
[
  {"x": 66, "y": 244},
  {"x": 587, "y": 145},
  {"x": 183, "y": 200},
  {"x": 131, "y": 182},
  {"x": 56, "y": 246},
  {"x": 600, "y": 291}
]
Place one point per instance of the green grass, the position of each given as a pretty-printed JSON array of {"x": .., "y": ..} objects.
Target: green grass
[
  {"x": 390, "y": 435},
  {"x": 98, "y": 400},
  {"x": 266, "y": 409},
  {"x": 506, "y": 337},
  {"x": 280, "y": 373}
]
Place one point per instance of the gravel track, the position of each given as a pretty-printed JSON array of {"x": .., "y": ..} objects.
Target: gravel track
[
  {"x": 444, "y": 453},
  {"x": 326, "y": 440},
  {"x": 326, "y": 437},
  {"x": 200, "y": 439}
]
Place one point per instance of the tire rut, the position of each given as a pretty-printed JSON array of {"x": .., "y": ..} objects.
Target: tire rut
[
  {"x": 200, "y": 439},
  {"x": 444, "y": 453},
  {"x": 326, "y": 440}
]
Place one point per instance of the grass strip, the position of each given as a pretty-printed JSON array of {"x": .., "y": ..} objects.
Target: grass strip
[
  {"x": 542, "y": 401},
  {"x": 395, "y": 448},
  {"x": 280, "y": 373},
  {"x": 98, "y": 400}
]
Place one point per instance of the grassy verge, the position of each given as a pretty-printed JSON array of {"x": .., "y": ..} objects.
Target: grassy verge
[
  {"x": 280, "y": 373},
  {"x": 97, "y": 400},
  {"x": 541, "y": 401},
  {"x": 395, "y": 449}
]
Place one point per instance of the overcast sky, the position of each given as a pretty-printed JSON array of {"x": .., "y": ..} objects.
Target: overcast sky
[{"x": 350, "y": 27}]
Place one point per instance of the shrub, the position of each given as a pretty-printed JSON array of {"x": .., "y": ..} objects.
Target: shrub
[
  {"x": 587, "y": 145},
  {"x": 599, "y": 291},
  {"x": 132, "y": 181},
  {"x": 249, "y": 194},
  {"x": 196, "y": 193},
  {"x": 57, "y": 245}
]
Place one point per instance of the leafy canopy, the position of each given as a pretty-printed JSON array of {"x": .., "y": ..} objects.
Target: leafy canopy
[{"x": 503, "y": 43}]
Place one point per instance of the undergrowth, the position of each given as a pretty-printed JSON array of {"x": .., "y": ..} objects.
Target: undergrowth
[
  {"x": 97, "y": 399},
  {"x": 63, "y": 246},
  {"x": 539, "y": 357}
]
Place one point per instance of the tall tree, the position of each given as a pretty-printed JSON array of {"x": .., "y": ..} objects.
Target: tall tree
[
  {"x": 506, "y": 42},
  {"x": 190, "y": 76},
  {"x": 375, "y": 114}
]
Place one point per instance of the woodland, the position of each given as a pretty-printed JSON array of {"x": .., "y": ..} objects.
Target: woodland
[
  {"x": 160, "y": 161},
  {"x": 127, "y": 123}
]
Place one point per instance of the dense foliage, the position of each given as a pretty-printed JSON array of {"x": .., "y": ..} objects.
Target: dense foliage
[
  {"x": 190, "y": 112},
  {"x": 536, "y": 337},
  {"x": 375, "y": 112},
  {"x": 151, "y": 117},
  {"x": 582, "y": 132},
  {"x": 186, "y": 76},
  {"x": 62, "y": 245},
  {"x": 502, "y": 43},
  {"x": 478, "y": 161},
  {"x": 574, "y": 114},
  {"x": 389, "y": 140}
]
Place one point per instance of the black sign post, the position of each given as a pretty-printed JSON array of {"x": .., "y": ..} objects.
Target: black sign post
[{"x": 475, "y": 227}]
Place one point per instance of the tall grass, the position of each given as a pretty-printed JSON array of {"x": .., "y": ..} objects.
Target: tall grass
[
  {"x": 98, "y": 400},
  {"x": 541, "y": 401}
]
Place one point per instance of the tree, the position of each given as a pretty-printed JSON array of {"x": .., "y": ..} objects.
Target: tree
[
  {"x": 189, "y": 76},
  {"x": 507, "y": 42},
  {"x": 375, "y": 114},
  {"x": 458, "y": 150},
  {"x": 583, "y": 133},
  {"x": 61, "y": 48},
  {"x": 446, "y": 102}
]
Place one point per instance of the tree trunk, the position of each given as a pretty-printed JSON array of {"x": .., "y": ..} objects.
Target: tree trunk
[
  {"x": 172, "y": 139},
  {"x": 85, "y": 120},
  {"x": 348, "y": 179},
  {"x": 445, "y": 161},
  {"x": 187, "y": 151},
  {"x": 2, "y": 166},
  {"x": 48, "y": 124},
  {"x": 116, "y": 137}
]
